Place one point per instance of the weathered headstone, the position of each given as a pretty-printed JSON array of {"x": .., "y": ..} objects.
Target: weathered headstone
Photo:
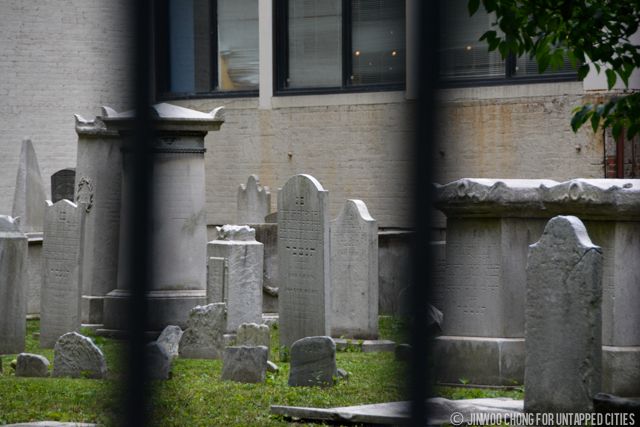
[
  {"x": 98, "y": 177},
  {"x": 32, "y": 365},
  {"x": 217, "y": 279},
  {"x": 158, "y": 361},
  {"x": 354, "y": 273},
  {"x": 303, "y": 260},
  {"x": 563, "y": 319},
  {"x": 13, "y": 286},
  {"x": 242, "y": 289},
  {"x": 60, "y": 294},
  {"x": 75, "y": 355},
  {"x": 244, "y": 364},
  {"x": 267, "y": 234},
  {"x": 169, "y": 339},
  {"x": 252, "y": 334},
  {"x": 63, "y": 185},
  {"x": 29, "y": 196},
  {"x": 203, "y": 338},
  {"x": 254, "y": 202},
  {"x": 313, "y": 362}
]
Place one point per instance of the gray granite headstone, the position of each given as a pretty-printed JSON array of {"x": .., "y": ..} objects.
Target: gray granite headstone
[
  {"x": 313, "y": 362},
  {"x": 252, "y": 334},
  {"x": 75, "y": 355},
  {"x": 303, "y": 260},
  {"x": 60, "y": 294},
  {"x": 203, "y": 338},
  {"x": 242, "y": 284},
  {"x": 354, "y": 273},
  {"x": 169, "y": 339},
  {"x": 32, "y": 365},
  {"x": 158, "y": 361},
  {"x": 563, "y": 319},
  {"x": 254, "y": 202},
  {"x": 245, "y": 364},
  {"x": 63, "y": 185},
  {"x": 13, "y": 286},
  {"x": 29, "y": 196}
]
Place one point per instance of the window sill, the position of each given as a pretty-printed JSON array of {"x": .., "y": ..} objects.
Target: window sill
[{"x": 286, "y": 100}]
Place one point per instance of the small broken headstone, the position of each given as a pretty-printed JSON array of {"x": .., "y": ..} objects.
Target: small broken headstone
[
  {"x": 203, "y": 338},
  {"x": 245, "y": 364},
  {"x": 75, "y": 355},
  {"x": 252, "y": 334},
  {"x": 169, "y": 339},
  {"x": 272, "y": 367},
  {"x": 158, "y": 361},
  {"x": 313, "y": 362},
  {"x": 32, "y": 365},
  {"x": 254, "y": 201}
]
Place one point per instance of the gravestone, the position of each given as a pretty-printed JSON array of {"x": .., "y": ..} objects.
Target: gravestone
[
  {"x": 169, "y": 339},
  {"x": 217, "y": 279},
  {"x": 354, "y": 273},
  {"x": 242, "y": 285},
  {"x": 244, "y": 364},
  {"x": 75, "y": 355},
  {"x": 303, "y": 260},
  {"x": 254, "y": 202},
  {"x": 63, "y": 185},
  {"x": 13, "y": 286},
  {"x": 32, "y": 365},
  {"x": 158, "y": 361},
  {"x": 267, "y": 234},
  {"x": 60, "y": 294},
  {"x": 563, "y": 319},
  {"x": 98, "y": 177},
  {"x": 252, "y": 334},
  {"x": 313, "y": 362},
  {"x": 203, "y": 338},
  {"x": 29, "y": 196}
]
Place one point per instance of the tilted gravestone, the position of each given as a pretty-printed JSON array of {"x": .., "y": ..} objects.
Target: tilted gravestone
[
  {"x": 32, "y": 365},
  {"x": 60, "y": 294},
  {"x": 169, "y": 339},
  {"x": 13, "y": 286},
  {"x": 563, "y": 319},
  {"x": 242, "y": 281},
  {"x": 63, "y": 185},
  {"x": 75, "y": 355},
  {"x": 203, "y": 338},
  {"x": 354, "y": 273},
  {"x": 254, "y": 202},
  {"x": 29, "y": 196},
  {"x": 303, "y": 260}
]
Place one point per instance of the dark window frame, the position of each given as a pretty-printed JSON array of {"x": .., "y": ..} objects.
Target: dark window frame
[
  {"x": 163, "y": 59},
  {"x": 281, "y": 56}
]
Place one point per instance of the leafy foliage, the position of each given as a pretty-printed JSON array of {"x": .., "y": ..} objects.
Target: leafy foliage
[{"x": 593, "y": 31}]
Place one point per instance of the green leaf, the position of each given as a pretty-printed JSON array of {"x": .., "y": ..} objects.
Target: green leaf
[
  {"x": 617, "y": 128},
  {"x": 611, "y": 77},
  {"x": 583, "y": 70},
  {"x": 595, "y": 121},
  {"x": 473, "y": 6}
]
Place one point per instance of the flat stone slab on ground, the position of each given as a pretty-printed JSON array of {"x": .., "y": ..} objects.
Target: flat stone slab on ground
[
  {"x": 32, "y": 365},
  {"x": 440, "y": 411},
  {"x": 50, "y": 424},
  {"x": 367, "y": 346},
  {"x": 75, "y": 355}
]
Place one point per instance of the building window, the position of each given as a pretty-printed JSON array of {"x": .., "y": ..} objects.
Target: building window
[
  {"x": 465, "y": 60},
  {"x": 338, "y": 45},
  {"x": 205, "y": 47}
]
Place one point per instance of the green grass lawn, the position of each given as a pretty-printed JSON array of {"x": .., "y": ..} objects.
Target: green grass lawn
[{"x": 195, "y": 395}]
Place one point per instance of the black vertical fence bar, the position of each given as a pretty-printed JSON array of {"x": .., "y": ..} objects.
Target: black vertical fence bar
[
  {"x": 139, "y": 209},
  {"x": 423, "y": 174}
]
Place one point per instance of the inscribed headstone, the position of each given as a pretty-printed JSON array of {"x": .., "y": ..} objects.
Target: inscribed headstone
[
  {"x": 354, "y": 273},
  {"x": 245, "y": 364},
  {"x": 303, "y": 260},
  {"x": 75, "y": 355},
  {"x": 313, "y": 362},
  {"x": 29, "y": 196},
  {"x": 254, "y": 202},
  {"x": 63, "y": 184},
  {"x": 563, "y": 319},
  {"x": 13, "y": 286},
  {"x": 60, "y": 294}
]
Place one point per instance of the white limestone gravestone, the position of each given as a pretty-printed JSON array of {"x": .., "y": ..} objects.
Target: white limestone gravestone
[
  {"x": 61, "y": 252},
  {"x": 303, "y": 260},
  {"x": 563, "y": 319},
  {"x": 242, "y": 285},
  {"x": 29, "y": 196},
  {"x": 354, "y": 273},
  {"x": 98, "y": 189},
  {"x": 254, "y": 202},
  {"x": 13, "y": 286}
]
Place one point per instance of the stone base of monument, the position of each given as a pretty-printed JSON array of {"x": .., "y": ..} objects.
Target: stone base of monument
[
  {"x": 621, "y": 370},
  {"x": 366, "y": 346},
  {"x": 92, "y": 309},
  {"x": 165, "y": 308},
  {"x": 478, "y": 360}
]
